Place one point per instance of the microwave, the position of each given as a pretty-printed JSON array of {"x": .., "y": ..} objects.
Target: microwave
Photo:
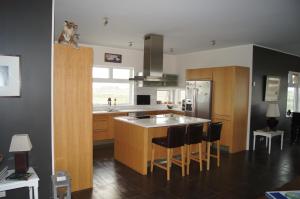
[{"x": 143, "y": 99}]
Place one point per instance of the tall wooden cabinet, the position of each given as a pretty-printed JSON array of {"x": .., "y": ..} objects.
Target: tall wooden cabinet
[
  {"x": 72, "y": 89},
  {"x": 230, "y": 95}
]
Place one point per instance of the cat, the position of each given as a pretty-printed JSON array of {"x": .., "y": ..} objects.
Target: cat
[{"x": 69, "y": 35}]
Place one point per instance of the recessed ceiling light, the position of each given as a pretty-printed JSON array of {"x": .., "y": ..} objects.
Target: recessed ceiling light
[
  {"x": 213, "y": 42},
  {"x": 105, "y": 21}
]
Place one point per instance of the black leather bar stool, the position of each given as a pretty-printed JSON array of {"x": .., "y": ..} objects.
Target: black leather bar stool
[
  {"x": 194, "y": 136},
  {"x": 175, "y": 138},
  {"x": 213, "y": 135}
]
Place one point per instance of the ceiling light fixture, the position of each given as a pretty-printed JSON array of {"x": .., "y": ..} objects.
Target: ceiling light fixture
[
  {"x": 130, "y": 43},
  {"x": 105, "y": 19},
  {"x": 171, "y": 50},
  {"x": 213, "y": 42}
]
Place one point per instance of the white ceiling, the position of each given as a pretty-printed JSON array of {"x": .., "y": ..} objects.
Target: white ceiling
[{"x": 187, "y": 25}]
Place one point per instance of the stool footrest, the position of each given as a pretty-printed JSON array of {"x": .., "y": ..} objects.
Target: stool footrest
[
  {"x": 160, "y": 166},
  {"x": 177, "y": 162}
]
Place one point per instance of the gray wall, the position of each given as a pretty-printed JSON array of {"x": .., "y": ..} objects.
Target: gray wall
[
  {"x": 270, "y": 62},
  {"x": 25, "y": 29}
]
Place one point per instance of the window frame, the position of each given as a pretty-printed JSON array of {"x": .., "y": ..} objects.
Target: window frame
[
  {"x": 174, "y": 94},
  {"x": 169, "y": 94},
  {"x": 296, "y": 87},
  {"x": 110, "y": 79}
]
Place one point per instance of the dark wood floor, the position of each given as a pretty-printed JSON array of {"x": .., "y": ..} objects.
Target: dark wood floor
[{"x": 241, "y": 175}]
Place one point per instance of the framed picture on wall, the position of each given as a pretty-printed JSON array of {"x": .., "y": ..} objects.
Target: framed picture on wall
[
  {"x": 114, "y": 58},
  {"x": 10, "y": 81},
  {"x": 272, "y": 88}
]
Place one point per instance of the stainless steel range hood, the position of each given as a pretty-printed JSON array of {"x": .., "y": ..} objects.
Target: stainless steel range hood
[{"x": 153, "y": 64}]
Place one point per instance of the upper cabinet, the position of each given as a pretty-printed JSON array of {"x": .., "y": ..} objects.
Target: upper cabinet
[
  {"x": 199, "y": 74},
  {"x": 223, "y": 87}
]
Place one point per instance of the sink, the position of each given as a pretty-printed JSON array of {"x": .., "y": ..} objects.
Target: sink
[
  {"x": 143, "y": 117},
  {"x": 112, "y": 110}
]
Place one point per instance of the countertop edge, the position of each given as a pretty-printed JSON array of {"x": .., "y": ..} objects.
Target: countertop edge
[
  {"x": 160, "y": 125},
  {"x": 134, "y": 111}
]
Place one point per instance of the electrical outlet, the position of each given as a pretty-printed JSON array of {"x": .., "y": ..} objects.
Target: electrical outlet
[{"x": 2, "y": 194}]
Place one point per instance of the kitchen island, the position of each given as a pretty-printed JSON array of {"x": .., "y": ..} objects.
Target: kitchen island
[{"x": 133, "y": 137}]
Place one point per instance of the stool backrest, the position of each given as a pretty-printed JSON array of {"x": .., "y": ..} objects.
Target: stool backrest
[
  {"x": 176, "y": 136},
  {"x": 295, "y": 119},
  {"x": 214, "y": 131},
  {"x": 194, "y": 134}
]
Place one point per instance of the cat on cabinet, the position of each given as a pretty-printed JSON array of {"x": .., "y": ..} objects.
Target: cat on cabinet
[{"x": 69, "y": 34}]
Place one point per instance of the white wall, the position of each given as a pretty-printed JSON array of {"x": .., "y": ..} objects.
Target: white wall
[{"x": 131, "y": 58}]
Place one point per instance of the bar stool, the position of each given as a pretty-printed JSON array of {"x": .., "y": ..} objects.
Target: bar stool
[
  {"x": 194, "y": 136},
  {"x": 175, "y": 139},
  {"x": 213, "y": 135}
]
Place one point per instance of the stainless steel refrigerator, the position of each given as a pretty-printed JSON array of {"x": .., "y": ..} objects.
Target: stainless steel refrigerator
[{"x": 197, "y": 101}]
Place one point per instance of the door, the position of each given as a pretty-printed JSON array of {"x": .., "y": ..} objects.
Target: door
[{"x": 203, "y": 99}]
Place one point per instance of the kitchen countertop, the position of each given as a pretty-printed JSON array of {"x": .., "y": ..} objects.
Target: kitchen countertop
[
  {"x": 135, "y": 110},
  {"x": 161, "y": 120}
]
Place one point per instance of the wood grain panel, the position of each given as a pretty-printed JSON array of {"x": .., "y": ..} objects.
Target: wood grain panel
[
  {"x": 103, "y": 125},
  {"x": 222, "y": 93},
  {"x": 73, "y": 114},
  {"x": 199, "y": 74},
  {"x": 130, "y": 146},
  {"x": 112, "y": 123},
  {"x": 241, "y": 97}
]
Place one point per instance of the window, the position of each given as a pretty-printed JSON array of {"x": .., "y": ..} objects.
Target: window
[
  {"x": 181, "y": 96},
  {"x": 121, "y": 73},
  {"x": 163, "y": 96},
  {"x": 101, "y": 72},
  {"x": 293, "y": 103},
  {"x": 112, "y": 82},
  {"x": 171, "y": 95}
]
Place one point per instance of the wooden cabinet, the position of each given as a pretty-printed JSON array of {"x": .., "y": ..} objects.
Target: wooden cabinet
[
  {"x": 103, "y": 125},
  {"x": 223, "y": 90},
  {"x": 199, "y": 74},
  {"x": 230, "y": 94},
  {"x": 72, "y": 96}
]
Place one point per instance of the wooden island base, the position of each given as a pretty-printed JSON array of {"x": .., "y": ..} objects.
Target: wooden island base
[{"x": 133, "y": 145}]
